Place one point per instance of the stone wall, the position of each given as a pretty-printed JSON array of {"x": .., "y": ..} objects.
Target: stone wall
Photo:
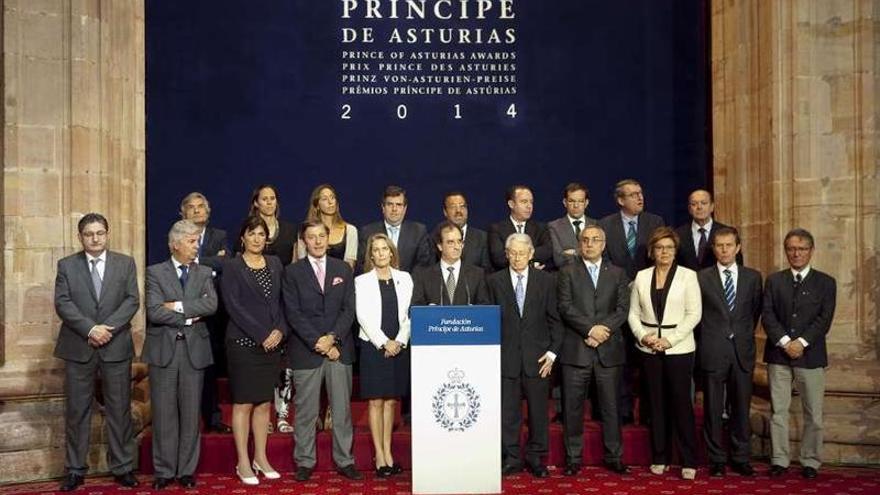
[
  {"x": 796, "y": 100},
  {"x": 73, "y": 142}
]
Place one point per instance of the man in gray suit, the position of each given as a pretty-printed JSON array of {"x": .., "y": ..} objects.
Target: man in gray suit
[
  {"x": 593, "y": 303},
  {"x": 96, "y": 296},
  {"x": 180, "y": 294},
  {"x": 564, "y": 231}
]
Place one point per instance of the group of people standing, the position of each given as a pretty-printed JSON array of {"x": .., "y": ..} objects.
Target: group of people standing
[{"x": 611, "y": 300}]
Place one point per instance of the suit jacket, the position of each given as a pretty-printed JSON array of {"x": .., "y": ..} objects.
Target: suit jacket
[
  {"x": 213, "y": 242},
  {"x": 563, "y": 237},
  {"x": 199, "y": 300},
  {"x": 524, "y": 339},
  {"x": 475, "y": 250},
  {"x": 687, "y": 254},
  {"x": 499, "y": 232},
  {"x": 805, "y": 313},
  {"x": 429, "y": 287},
  {"x": 413, "y": 245},
  {"x": 615, "y": 246},
  {"x": 312, "y": 313},
  {"x": 683, "y": 310},
  {"x": 582, "y": 306},
  {"x": 718, "y": 322},
  {"x": 368, "y": 306},
  {"x": 251, "y": 313},
  {"x": 80, "y": 308}
]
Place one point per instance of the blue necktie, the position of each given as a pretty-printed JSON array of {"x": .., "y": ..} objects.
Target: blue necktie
[
  {"x": 594, "y": 274},
  {"x": 520, "y": 293},
  {"x": 729, "y": 292},
  {"x": 394, "y": 233},
  {"x": 631, "y": 236},
  {"x": 184, "y": 275}
]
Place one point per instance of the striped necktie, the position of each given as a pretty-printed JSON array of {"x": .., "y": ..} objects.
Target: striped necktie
[
  {"x": 729, "y": 291},
  {"x": 631, "y": 236}
]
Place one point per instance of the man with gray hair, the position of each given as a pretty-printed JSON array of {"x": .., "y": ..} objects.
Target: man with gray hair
[
  {"x": 179, "y": 295},
  {"x": 531, "y": 336},
  {"x": 211, "y": 253}
]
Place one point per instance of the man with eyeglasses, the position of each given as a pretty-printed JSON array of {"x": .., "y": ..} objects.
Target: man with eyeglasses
[
  {"x": 798, "y": 309},
  {"x": 628, "y": 232},
  {"x": 564, "y": 231},
  {"x": 594, "y": 299},
  {"x": 96, "y": 296},
  {"x": 410, "y": 238}
]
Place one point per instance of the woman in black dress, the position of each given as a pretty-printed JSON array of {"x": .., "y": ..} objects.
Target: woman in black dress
[
  {"x": 382, "y": 298},
  {"x": 281, "y": 240},
  {"x": 343, "y": 238},
  {"x": 251, "y": 289}
]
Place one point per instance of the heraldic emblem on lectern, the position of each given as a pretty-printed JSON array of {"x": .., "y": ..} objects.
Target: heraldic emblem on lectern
[{"x": 456, "y": 403}]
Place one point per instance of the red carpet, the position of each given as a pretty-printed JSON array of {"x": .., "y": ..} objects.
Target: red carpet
[{"x": 593, "y": 481}]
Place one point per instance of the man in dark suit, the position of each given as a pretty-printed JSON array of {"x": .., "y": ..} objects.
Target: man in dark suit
[
  {"x": 410, "y": 238},
  {"x": 96, "y": 296},
  {"x": 211, "y": 253},
  {"x": 695, "y": 250},
  {"x": 521, "y": 202},
  {"x": 627, "y": 233},
  {"x": 180, "y": 294},
  {"x": 531, "y": 335},
  {"x": 731, "y": 296},
  {"x": 564, "y": 231},
  {"x": 319, "y": 304},
  {"x": 475, "y": 250},
  {"x": 449, "y": 282},
  {"x": 593, "y": 303},
  {"x": 798, "y": 309}
]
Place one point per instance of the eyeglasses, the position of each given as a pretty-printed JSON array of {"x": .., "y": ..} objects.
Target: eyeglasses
[
  {"x": 798, "y": 249},
  {"x": 592, "y": 240},
  {"x": 633, "y": 195}
]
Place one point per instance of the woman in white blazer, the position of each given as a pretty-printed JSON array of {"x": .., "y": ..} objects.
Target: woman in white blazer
[
  {"x": 383, "y": 294},
  {"x": 665, "y": 306}
]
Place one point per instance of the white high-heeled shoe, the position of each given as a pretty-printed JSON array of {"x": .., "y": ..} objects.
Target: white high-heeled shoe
[
  {"x": 270, "y": 475},
  {"x": 247, "y": 480},
  {"x": 658, "y": 469}
]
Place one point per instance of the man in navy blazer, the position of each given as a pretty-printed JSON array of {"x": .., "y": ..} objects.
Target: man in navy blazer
[
  {"x": 695, "y": 251},
  {"x": 732, "y": 302},
  {"x": 320, "y": 308},
  {"x": 179, "y": 296},
  {"x": 531, "y": 336},
  {"x": 211, "y": 253},
  {"x": 594, "y": 299},
  {"x": 475, "y": 247},
  {"x": 96, "y": 296},
  {"x": 521, "y": 203},
  {"x": 799, "y": 305},
  {"x": 410, "y": 238}
]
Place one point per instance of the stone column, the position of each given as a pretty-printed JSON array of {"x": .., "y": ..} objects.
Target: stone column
[
  {"x": 73, "y": 142},
  {"x": 795, "y": 113}
]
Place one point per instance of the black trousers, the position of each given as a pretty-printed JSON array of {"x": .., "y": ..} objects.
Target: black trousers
[
  {"x": 536, "y": 391},
  {"x": 672, "y": 411},
  {"x": 575, "y": 382},
  {"x": 727, "y": 375}
]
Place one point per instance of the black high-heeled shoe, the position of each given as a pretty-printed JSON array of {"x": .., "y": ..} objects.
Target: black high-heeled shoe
[
  {"x": 383, "y": 472},
  {"x": 396, "y": 468}
]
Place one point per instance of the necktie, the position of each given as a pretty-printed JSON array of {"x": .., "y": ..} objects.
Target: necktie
[
  {"x": 520, "y": 293},
  {"x": 594, "y": 274},
  {"x": 319, "y": 273},
  {"x": 729, "y": 291},
  {"x": 394, "y": 233},
  {"x": 631, "y": 236},
  {"x": 96, "y": 277},
  {"x": 577, "y": 227},
  {"x": 184, "y": 275},
  {"x": 701, "y": 246},
  {"x": 798, "y": 278},
  {"x": 450, "y": 283},
  {"x": 519, "y": 228}
]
